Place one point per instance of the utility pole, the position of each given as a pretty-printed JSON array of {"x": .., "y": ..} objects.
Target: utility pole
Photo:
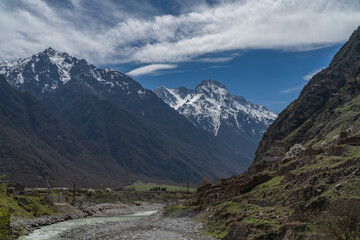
[{"x": 74, "y": 191}]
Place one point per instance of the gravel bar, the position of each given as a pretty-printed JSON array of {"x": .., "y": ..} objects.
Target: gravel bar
[{"x": 154, "y": 227}]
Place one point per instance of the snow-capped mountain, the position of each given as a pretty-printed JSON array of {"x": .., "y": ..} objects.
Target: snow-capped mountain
[
  {"x": 211, "y": 107},
  {"x": 46, "y": 71},
  {"x": 130, "y": 124}
]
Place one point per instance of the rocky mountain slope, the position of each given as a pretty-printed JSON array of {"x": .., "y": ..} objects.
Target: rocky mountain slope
[
  {"x": 326, "y": 106},
  {"x": 37, "y": 147},
  {"x": 131, "y": 124},
  {"x": 210, "y": 106},
  {"x": 310, "y": 194},
  {"x": 313, "y": 192}
]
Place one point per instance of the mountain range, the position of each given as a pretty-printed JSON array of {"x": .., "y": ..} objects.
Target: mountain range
[
  {"x": 131, "y": 127},
  {"x": 236, "y": 121}
]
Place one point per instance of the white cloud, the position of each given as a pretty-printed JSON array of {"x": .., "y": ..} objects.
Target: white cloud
[
  {"x": 309, "y": 76},
  {"x": 216, "y": 59},
  {"x": 291, "y": 90},
  {"x": 247, "y": 24},
  {"x": 150, "y": 69}
]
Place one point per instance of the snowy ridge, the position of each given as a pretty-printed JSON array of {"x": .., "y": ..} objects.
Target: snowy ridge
[
  {"x": 6, "y": 67},
  {"x": 64, "y": 65},
  {"x": 211, "y": 106},
  {"x": 49, "y": 69}
]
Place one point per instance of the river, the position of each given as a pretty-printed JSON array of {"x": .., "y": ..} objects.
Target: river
[{"x": 54, "y": 231}]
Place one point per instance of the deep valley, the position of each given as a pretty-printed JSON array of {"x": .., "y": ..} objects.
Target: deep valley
[{"x": 180, "y": 120}]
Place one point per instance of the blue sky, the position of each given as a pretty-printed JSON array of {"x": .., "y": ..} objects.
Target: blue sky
[
  {"x": 271, "y": 78},
  {"x": 260, "y": 49}
]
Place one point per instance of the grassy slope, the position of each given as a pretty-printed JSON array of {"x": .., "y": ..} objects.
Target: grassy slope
[
  {"x": 268, "y": 207},
  {"x": 325, "y": 126},
  {"x": 20, "y": 207}
]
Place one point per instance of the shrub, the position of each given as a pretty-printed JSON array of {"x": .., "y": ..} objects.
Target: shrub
[
  {"x": 5, "y": 228},
  {"x": 204, "y": 182},
  {"x": 342, "y": 222}
]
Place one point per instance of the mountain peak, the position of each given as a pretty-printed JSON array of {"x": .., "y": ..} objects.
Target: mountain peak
[
  {"x": 211, "y": 107},
  {"x": 55, "y": 56},
  {"x": 49, "y": 51},
  {"x": 50, "y": 69},
  {"x": 162, "y": 88},
  {"x": 349, "y": 53},
  {"x": 209, "y": 82},
  {"x": 236, "y": 121},
  {"x": 212, "y": 89}
]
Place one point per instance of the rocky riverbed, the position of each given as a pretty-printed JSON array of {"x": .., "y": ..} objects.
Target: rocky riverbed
[
  {"x": 105, "y": 222},
  {"x": 155, "y": 227},
  {"x": 65, "y": 212},
  {"x": 68, "y": 212}
]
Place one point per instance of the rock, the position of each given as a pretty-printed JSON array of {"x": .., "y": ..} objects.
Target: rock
[
  {"x": 23, "y": 201},
  {"x": 298, "y": 214},
  {"x": 238, "y": 231},
  {"x": 317, "y": 205},
  {"x": 313, "y": 180},
  {"x": 234, "y": 186},
  {"x": 154, "y": 227},
  {"x": 261, "y": 203}
]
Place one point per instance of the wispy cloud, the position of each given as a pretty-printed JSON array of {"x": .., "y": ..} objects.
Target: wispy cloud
[
  {"x": 152, "y": 68},
  {"x": 291, "y": 90},
  {"x": 309, "y": 76},
  {"x": 215, "y": 59},
  {"x": 107, "y": 32}
]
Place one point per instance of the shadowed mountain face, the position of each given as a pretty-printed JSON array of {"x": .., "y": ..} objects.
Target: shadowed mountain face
[
  {"x": 130, "y": 124},
  {"x": 37, "y": 147},
  {"x": 233, "y": 119},
  {"x": 327, "y": 105}
]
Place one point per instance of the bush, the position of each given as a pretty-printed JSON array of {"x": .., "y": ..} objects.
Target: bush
[
  {"x": 342, "y": 222},
  {"x": 158, "y": 189},
  {"x": 5, "y": 228},
  {"x": 294, "y": 151},
  {"x": 204, "y": 182}
]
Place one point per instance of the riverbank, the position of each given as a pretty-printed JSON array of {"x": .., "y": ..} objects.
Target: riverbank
[
  {"x": 68, "y": 212},
  {"x": 119, "y": 221},
  {"x": 65, "y": 212},
  {"x": 24, "y": 209},
  {"x": 155, "y": 227}
]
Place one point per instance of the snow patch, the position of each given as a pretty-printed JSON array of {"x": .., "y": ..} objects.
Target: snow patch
[
  {"x": 20, "y": 79},
  {"x": 63, "y": 67}
]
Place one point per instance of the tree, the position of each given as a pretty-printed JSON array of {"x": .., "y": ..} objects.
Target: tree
[
  {"x": 342, "y": 221},
  {"x": 204, "y": 182}
]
